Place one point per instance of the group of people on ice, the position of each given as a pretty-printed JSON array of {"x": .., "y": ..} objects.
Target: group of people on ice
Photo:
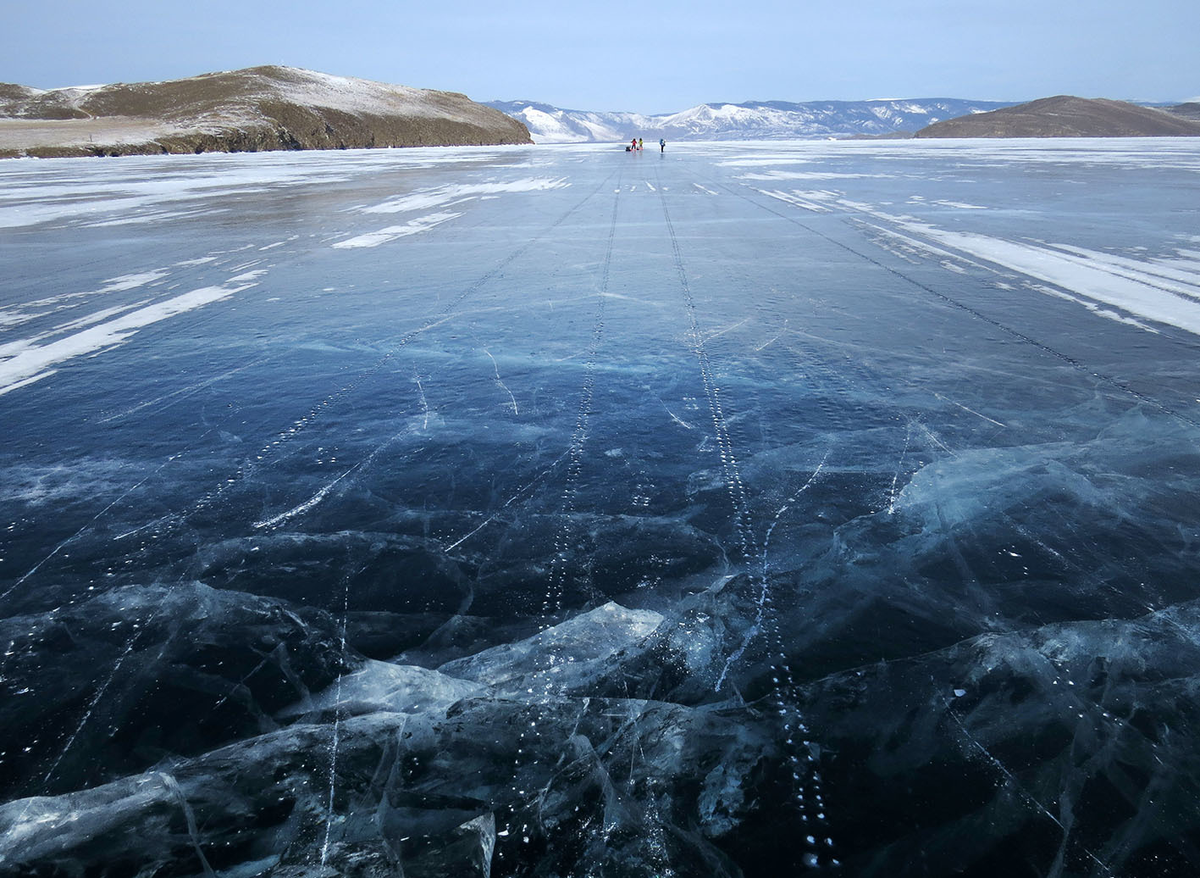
[{"x": 635, "y": 145}]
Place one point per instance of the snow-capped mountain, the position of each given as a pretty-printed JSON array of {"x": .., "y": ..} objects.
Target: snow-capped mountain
[
  {"x": 549, "y": 124},
  {"x": 752, "y": 120}
]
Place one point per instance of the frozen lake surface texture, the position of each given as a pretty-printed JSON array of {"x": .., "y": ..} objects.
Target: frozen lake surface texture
[{"x": 753, "y": 509}]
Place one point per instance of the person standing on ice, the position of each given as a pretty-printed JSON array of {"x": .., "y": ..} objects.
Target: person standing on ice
[
  {"x": 633, "y": 145},
  {"x": 639, "y": 143},
  {"x": 662, "y": 145}
]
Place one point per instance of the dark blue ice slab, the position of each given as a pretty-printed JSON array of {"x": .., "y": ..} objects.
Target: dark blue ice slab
[{"x": 746, "y": 509}]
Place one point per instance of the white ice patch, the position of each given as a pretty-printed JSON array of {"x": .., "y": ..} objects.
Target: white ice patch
[
  {"x": 32, "y": 310},
  {"x": 914, "y": 245},
  {"x": 1166, "y": 294},
  {"x": 131, "y": 281},
  {"x": 391, "y": 233},
  {"x": 959, "y": 205},
  {"x": 248, "y": 276},
  {"x": 1182, "y": 275},
  {"x": 140, "y": 189},
  {"x": 393, "y": 688},
  {"x": 155, "y": 216},
  {"x": 813, "y": 201},
  {"x": 808, "y": 175},
  {"x": 765, "y": 160},
  {"x": 1095, "y": 307},
  {"x": 96, "y": 317},
  {"x": 565, "y": 654},
  {"x": 442, "y": 196},
  {"x": 35, "y": 362}
]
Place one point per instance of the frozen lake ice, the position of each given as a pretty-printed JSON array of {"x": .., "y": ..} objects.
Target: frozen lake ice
[{"x": 745, "y": 509}]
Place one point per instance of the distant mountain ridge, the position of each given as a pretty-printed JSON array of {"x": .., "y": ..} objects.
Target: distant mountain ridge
[
  {"x": 259, "y": 108},
  {"x": 751, "y": 120},
  {"x": 1069, "y": 116}
]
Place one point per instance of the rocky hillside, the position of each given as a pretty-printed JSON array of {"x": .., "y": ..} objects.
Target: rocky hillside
[
  {"x": 261, "y": 108},
  {"x": 752, "y": 120},
  {"x": 1066, "y": 116}
]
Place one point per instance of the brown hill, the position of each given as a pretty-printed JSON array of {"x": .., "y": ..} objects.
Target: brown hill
[
  {"x": 261, "y": 108},
  {"x": 1188, "y": 111},
  {"x": 1066, "y": 116}
]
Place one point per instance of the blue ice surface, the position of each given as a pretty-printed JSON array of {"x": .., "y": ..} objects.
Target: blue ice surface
[{"x": 890, "y": 447}]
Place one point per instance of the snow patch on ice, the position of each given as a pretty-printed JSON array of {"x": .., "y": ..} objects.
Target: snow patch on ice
[
  {"x": 35, "y": 362},
  {"x": 1161, "y": 290},
  {"x": 959, "y": 205},
  {"x": 391, "y": 233},
  {"x": 136, "y": 189},
  {"x": 765, "y": 160},
  {"x": 1168, "y": 295},
  {"x": 248, "y": 276},
  {"x": 444, "y": 195},
  {"x": 131, "y": 281},
  {"x": 814, "y": 201},
  {"x": 808, "y": 175}
]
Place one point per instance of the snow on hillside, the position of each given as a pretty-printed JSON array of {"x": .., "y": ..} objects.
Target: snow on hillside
[
  {"x": 259, "y": 108},
  {"x": 311, "y": 88},
  {"x": 237, "y": 93}
]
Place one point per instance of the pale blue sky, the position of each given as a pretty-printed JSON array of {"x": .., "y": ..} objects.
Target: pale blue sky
[{"x": 641, "y": 55}]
